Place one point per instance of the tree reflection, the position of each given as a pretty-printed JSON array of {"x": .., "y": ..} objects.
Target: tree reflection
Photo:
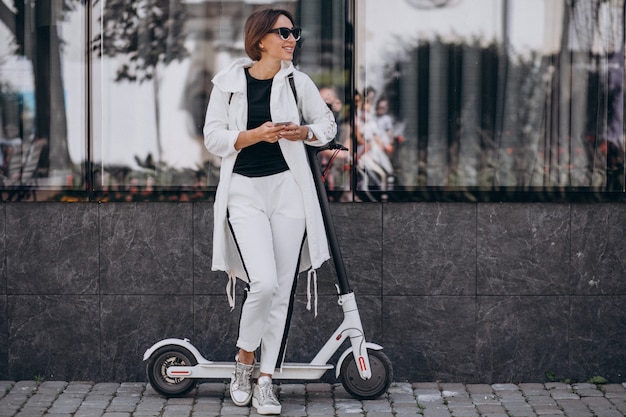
[{"x": 148, "y": 34}]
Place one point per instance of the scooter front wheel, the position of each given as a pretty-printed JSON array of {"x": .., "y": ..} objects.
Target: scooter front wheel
[
  {"x": 156, "y": 369},
  {"x": 367, "y": 389}
]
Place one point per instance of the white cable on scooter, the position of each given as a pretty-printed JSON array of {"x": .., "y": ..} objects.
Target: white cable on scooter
[
  {"x": 230, "y": 289},
  {"x": 312, "y": 272}
]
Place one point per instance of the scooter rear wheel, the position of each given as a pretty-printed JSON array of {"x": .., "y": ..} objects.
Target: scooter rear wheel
[
  {"x": 156, "y": 369},
  {"x": 369, "y": 389}
]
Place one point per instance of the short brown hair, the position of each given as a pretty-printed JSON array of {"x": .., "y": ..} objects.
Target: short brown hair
[{"x": 259, "y": 23}]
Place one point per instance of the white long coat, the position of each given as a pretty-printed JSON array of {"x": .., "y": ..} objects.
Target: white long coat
[{"x": 227, "y": 115}]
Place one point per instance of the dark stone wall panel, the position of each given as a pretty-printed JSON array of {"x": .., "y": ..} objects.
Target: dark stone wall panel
[
  {"x": 132, "y": 323},
  {"x": 146, "y": 248},
  {"x": 598, "y": 249},
  {"x": 205, "y": 281},
  {"x": 216, "y": 327},
  {"x": 523, "y": 249},
  {"x": 359, "y": 232},
  {"x": 521, "y": 338},
  {"x": 429, "y": 249},
  {"x": 484, "y": 293},
  {"x": 4, "y": 337},
  {"x": 52, "y": 248},
  {"x": 3, "y": 265},
  {"x": 597, "y": 337},
  {"x": 431, "y": 338},
  {"x": 55, "y": 337}
]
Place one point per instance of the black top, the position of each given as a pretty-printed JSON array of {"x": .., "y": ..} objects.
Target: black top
[{"x": 263, "y": 158}]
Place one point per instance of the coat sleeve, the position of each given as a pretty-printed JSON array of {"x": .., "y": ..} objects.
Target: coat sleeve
[
  {"x": 315, "y": 112},
  {"x": 218, "y": 138}
]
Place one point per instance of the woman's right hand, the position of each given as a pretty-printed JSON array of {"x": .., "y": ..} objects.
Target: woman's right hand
[{"x": 267, "y": 132}]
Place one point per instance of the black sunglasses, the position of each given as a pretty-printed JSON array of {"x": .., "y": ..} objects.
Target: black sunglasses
[{"x": 285, "y": 32}]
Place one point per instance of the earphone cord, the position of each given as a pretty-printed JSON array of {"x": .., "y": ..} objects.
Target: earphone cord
[{"x": 330, "y": 163}]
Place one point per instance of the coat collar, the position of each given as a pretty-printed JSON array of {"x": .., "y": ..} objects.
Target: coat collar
[{"x": 232, "y": 79}]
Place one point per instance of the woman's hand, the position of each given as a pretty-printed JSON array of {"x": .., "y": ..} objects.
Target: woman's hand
[
  {"x": 269, "y": 132},
  {"x": 294, "y": 132}
]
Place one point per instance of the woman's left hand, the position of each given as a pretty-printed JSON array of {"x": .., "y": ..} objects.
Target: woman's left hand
[{"x": 294, "y": 132}]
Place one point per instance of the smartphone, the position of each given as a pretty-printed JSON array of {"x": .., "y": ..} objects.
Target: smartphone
[{"x": 281, "y": 124}]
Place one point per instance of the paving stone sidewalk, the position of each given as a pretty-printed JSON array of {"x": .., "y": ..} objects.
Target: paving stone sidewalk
[{"x": 134, "y": 399}]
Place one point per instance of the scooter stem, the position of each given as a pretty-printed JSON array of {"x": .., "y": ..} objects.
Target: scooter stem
[{"x": 333, "y": 242}]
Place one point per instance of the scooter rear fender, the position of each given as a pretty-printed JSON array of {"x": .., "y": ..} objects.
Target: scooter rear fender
[
  {"x": 177, "y": 342},
  {"x": 368, "y": 345}
]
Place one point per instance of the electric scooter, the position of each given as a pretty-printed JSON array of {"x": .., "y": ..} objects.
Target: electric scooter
[{"x": 175, "y": 366}]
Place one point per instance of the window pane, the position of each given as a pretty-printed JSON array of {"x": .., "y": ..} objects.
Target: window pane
[
  {"x": 42, "y": 96},
  {"x": 153, "y": 80},
  {"x": 144, "y": 133},
  {"x": 491, "y": 95}
]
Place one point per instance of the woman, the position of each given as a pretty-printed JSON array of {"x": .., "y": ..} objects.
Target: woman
[{"x": 268, "y": 222}]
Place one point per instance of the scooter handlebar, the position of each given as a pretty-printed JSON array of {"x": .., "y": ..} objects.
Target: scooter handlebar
[{"x": 330, "y": 146}]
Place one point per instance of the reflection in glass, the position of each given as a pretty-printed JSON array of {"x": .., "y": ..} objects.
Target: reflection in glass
[
  {"x": 452, "y": 95},
  {"x": 152, "y": 79},
  {"x": 42, "y": 96},
  {"x": 491, "y": 95}
]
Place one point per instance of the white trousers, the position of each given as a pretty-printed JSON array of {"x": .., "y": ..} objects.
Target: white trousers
[{"x": 267, "y": 218}]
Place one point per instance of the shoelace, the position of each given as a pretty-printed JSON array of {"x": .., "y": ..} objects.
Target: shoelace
[
  {"x": 267, "y": 392},
  {"x": 242, "y": 376}
]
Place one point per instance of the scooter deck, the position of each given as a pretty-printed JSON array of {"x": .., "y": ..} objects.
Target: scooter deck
[{"x": 208, "y": 370}]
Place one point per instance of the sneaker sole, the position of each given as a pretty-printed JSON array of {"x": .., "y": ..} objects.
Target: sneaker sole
[
  {"x": 240, "y": 403},
  {"x": 266, "y": 409}
]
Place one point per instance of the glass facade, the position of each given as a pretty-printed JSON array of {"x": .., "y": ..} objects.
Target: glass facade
[
  {"x": 435, "y": 99},
  {"x": 44, "y": 111},
  {"x": 522, "y": 97}
]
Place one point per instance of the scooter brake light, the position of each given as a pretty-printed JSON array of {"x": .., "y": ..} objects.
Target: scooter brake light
[{"x": 362, "y": 363}]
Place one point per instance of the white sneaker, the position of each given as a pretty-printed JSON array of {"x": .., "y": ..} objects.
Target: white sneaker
[
  {"x": 264, "y": 399},
  {"x": 240, "y": 386}
]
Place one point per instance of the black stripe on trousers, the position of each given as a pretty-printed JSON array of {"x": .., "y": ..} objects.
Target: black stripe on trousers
[
  {"x": 283, "y": 344},
  {"x": 245, "y": 293}
]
